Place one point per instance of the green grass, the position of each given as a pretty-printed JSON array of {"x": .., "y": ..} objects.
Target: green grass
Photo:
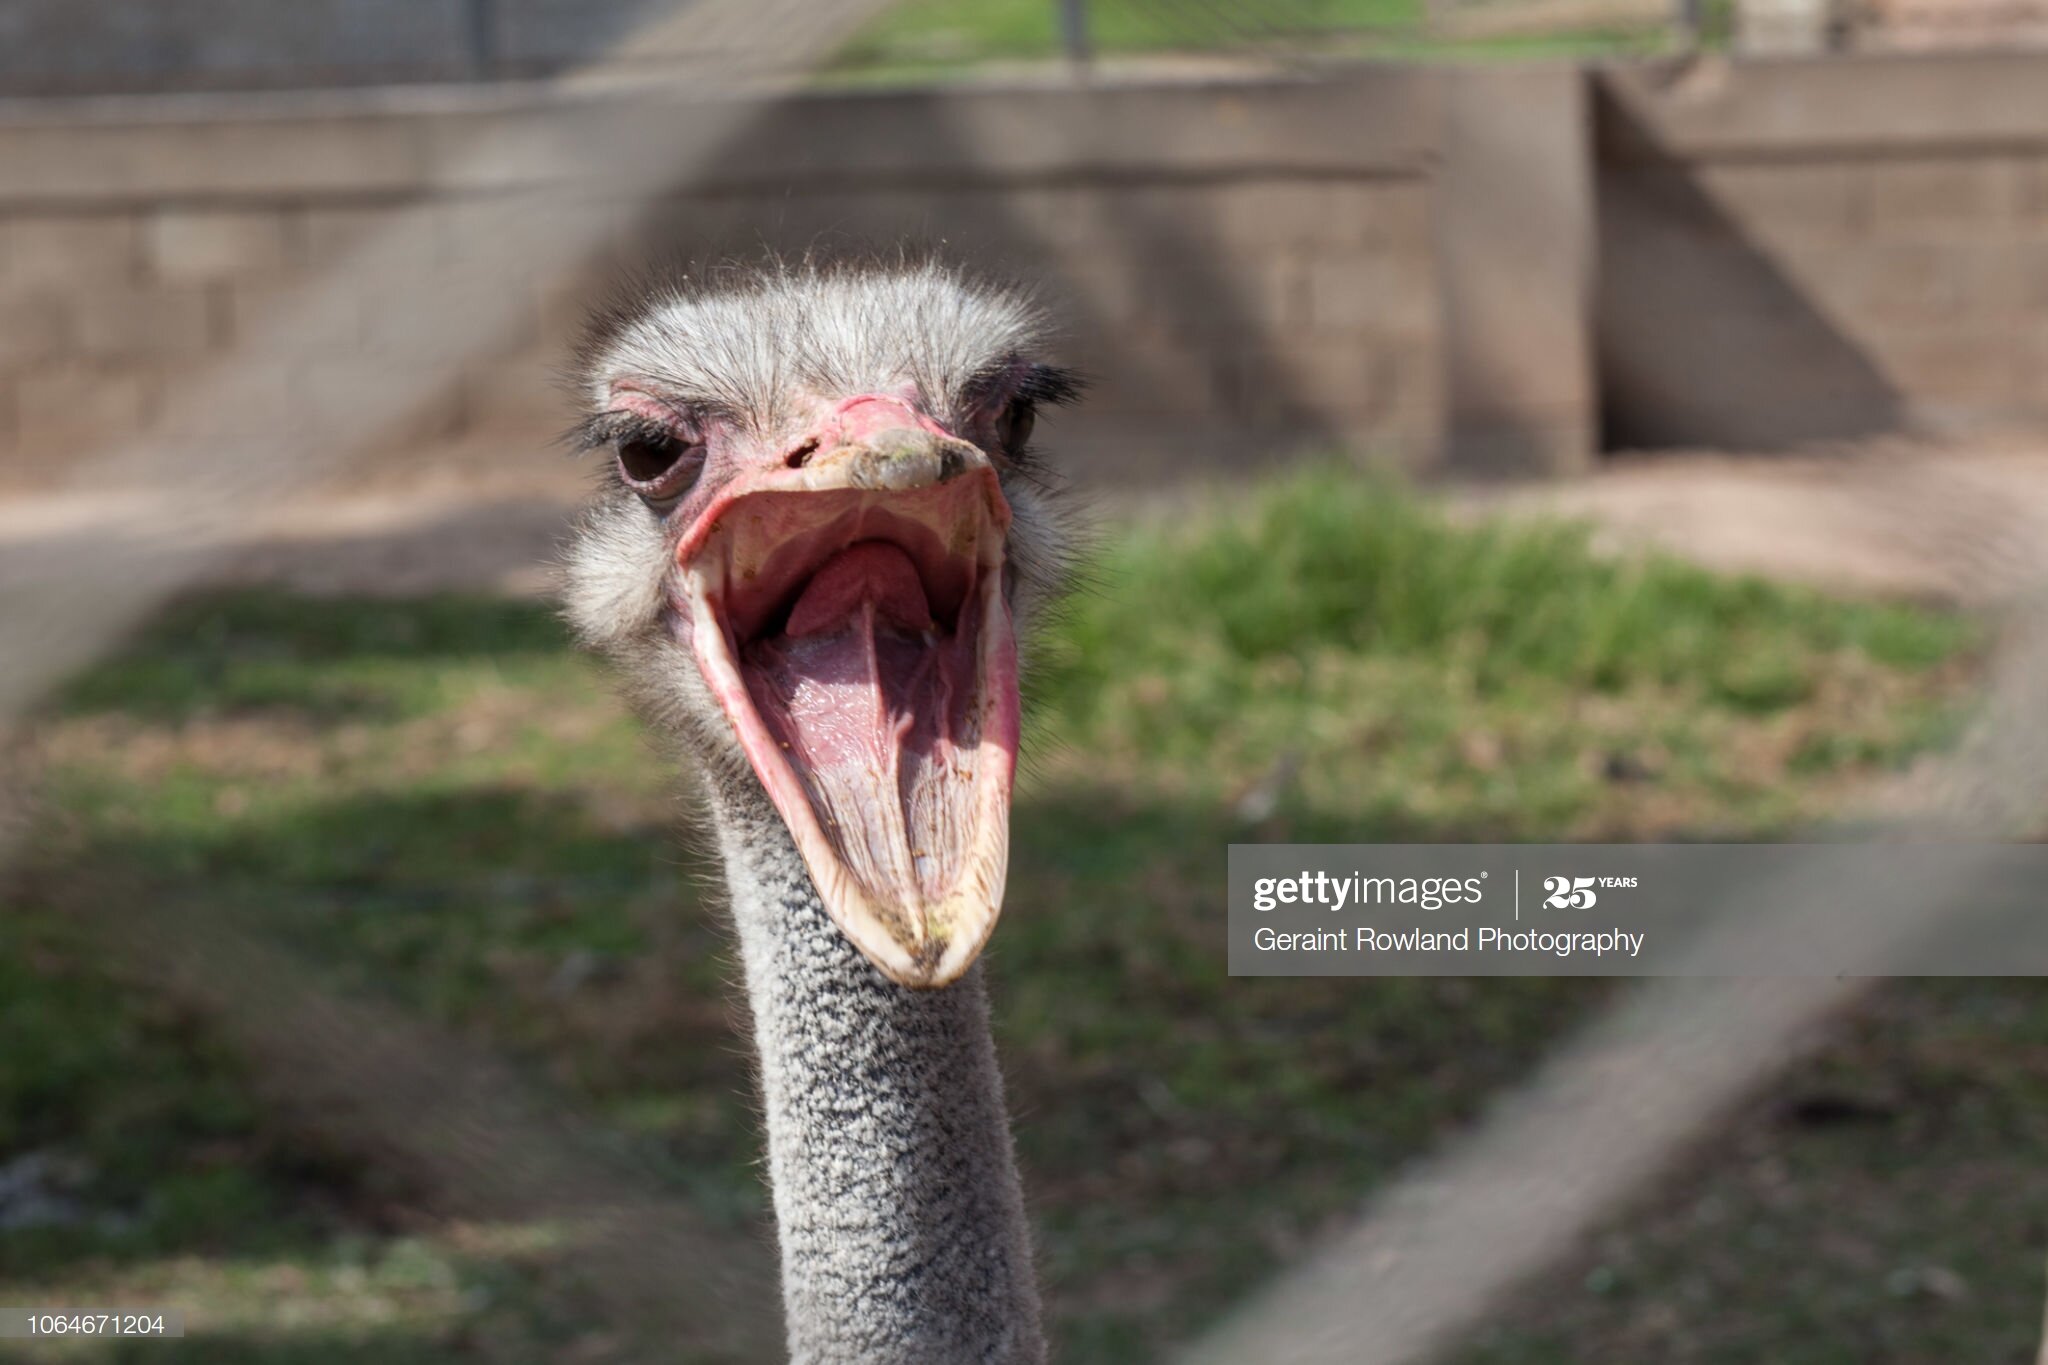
[
  {"x": 1863, "y": 1212},
  {"x": 439, "y": 803},
  {"x": 938, "y": 38},
  {"x": 185, "y": 1193},
  {"x": 1480, "y": 682}
]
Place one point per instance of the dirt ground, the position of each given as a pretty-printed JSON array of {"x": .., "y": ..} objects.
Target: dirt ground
[{"x": 1964, "y": 524}]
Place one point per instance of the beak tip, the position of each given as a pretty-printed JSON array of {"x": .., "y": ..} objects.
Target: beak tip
[{"x": 932, "y": 964}]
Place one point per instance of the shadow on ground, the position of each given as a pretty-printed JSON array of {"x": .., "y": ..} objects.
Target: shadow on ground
[{"x": 464, "y": 886}]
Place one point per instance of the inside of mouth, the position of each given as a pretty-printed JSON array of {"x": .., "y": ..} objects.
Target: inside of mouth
[
  {"x": 874, "y": 700},
  {"x": 859, "y": 642}
]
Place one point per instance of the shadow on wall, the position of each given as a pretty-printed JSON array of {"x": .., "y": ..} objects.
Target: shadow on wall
[
  {"x": 1186, "y": 363},
  {"x": 1702, "y": 340}
]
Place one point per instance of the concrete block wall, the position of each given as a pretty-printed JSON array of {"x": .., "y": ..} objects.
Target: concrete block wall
[
  {"x": 1923, "y": 24},
  {"x": 1472, "y": 271},
  {"x": 72, "y": 46},
  {"x": 1215, "y": 321},
  {"x": 1230, "y": 303},
  {"x": 1796, "y": 251}
]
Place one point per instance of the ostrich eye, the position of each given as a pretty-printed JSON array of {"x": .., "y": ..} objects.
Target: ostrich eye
[
  {"x": 1013, "y": 428},
  {"x": 644, "y": 461},
  {"x": 658, "y": 464}
]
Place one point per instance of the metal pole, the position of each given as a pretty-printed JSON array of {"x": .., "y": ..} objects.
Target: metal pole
[
  {"x": 1074, "y": 31},
  {"x": 481, "y": 20},
  {"x": 1692, "y": 21}
]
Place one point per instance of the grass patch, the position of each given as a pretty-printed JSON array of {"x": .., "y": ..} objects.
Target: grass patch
[
  {"x": 1861, "y": 1212},
  {"x": 942, "y": 38},
  {"x": 128, "y": 1098},
  {"x": 1394, "y": 674},
  {"x": 138, "y": 1166},
  {"x": 441, "y": 802}
]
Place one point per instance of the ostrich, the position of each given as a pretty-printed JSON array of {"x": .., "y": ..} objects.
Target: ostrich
[{"x": 822, "y": 520}]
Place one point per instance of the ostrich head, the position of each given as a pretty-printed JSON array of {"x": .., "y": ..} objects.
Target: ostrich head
[{"x": 821, "y": 532}]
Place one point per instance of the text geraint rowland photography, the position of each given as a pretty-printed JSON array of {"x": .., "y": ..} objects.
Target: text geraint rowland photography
[{"x": 1592, "y": 909}]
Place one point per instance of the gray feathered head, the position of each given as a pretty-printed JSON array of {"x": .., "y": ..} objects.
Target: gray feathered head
[{"x": 823, "y": 521}]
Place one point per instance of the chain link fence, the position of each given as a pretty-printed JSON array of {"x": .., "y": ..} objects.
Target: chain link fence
[{"x": 1422, "y": 1263}]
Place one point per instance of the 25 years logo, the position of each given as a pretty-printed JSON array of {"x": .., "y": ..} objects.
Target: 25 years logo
[
  {"x": 1570, "y": 893},
  {"x": 1577, "y": 893}
]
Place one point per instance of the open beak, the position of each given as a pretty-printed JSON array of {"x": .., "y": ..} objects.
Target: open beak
[{"x": 850, "y": 616}]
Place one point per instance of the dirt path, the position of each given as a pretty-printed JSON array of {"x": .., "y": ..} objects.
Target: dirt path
[{"x": 1964, "y": 524}]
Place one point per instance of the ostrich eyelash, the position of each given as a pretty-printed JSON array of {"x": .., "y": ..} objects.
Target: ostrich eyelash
[
  {"x": 609, "y": 428},
  {"x": 1051, "y": 385},
  {"x": 1031, "y": 382},
  {"x": 1023, "y": 385}
]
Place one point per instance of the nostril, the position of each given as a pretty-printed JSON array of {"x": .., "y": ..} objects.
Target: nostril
[{"x": 801, "y": 456}]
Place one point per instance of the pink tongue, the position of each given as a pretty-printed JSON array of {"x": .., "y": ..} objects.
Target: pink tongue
[
  {"x": 877, "y": 712},
  {"x": 875, "y": 570}
]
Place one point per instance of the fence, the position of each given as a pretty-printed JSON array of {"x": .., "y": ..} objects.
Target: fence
[{"x": 159, "y": 202}]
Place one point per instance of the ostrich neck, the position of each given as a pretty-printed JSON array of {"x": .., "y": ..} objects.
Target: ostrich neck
[{"x": 896, "y": 1192}]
